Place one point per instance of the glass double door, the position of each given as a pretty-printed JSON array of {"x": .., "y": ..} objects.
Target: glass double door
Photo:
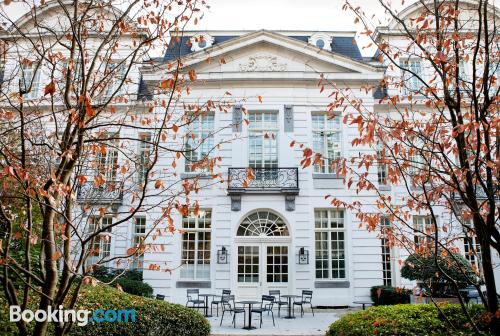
[{"x": 261, "y": 267}]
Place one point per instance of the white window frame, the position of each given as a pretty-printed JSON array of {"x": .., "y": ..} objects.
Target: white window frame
[
  {"x": 421, "y": 222},
  {"x": 107, "y": 163},
  {"x": 138, "y": 236},
  {"x": 329, "y": 231},
  {"x": 259, "y": 129},
  {"x": 412, "y": 84},
  {"x": 197, "y": 231},
  {"x": 382, "y": 168},
  {"x": 116, "y": 74},
  {"x": 203, "y": 143},
  {"x": 330, "y": 127},
  {"x": 103, "y": 240},
  {"x": 143, "y": 156},
  {"x": 387, "y": 265},
  {"x": 28, "y": 77}
]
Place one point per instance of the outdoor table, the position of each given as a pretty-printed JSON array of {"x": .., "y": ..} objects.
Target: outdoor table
[
  {"x": 290, "y": 303},
  {"x": 363, "y": 303},
  {"x": 249, "y": 303},
  {"x": 206, "y": 302}
]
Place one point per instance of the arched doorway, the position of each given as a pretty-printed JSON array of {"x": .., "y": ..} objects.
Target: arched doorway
[{"x": 263, "y": 254}]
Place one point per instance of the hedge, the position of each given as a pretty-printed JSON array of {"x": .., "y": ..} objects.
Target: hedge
[
  {"x": 387, "y": 295},
  {"x": 409, "y": 320},
  {"x": 153, "y": 317}
]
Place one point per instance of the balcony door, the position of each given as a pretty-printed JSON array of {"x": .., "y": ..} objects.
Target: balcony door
[
  {"x": 263, "y": 139},
  {"x": 262, "y": 255}
]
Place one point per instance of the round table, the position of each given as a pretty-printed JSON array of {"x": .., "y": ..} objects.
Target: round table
[
  {"x": 363, "y": 303},
  {"x": 206, "y": 296},
  {"x": 290, "y": 297},
  {"x": 249, "y": 303}
]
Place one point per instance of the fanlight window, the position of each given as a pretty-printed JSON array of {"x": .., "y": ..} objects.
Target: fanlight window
[{"x": 262, "y": 224}]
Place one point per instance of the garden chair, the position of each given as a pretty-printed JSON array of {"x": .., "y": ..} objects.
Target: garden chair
[
  {"x": 306, "y": 299},
  {"x": 228, "y": 305},
  {"x": 277, "y": 299},
  {"x": 194, "y": 298},
  {"x": 219, "y": 302},
  {"x": 266, "y": 305}
]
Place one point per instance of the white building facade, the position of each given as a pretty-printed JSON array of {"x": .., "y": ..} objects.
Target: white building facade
[{"x": 278, "y": 231}]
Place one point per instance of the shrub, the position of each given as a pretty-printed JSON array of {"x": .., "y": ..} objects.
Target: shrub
[
  {"x": 420, "y": 266},
  {"x": 387, "y": 295},
  {"x": 153, "y": 317},
  {"x": 130, "y": 281},
  {"x": 406, "y": 320}
]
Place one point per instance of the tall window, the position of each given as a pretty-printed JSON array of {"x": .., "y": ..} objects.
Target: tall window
[
  {"x": 472, "y": 251},
  {"x": 195, "y": 252},
  {"x": 385, "y": 224},
  {"x": 327, "y": 141},
  {"x": 423, "y": 229},
  {"x": 101, "y": 244},
  {"x": 382, "y": 169},
  {"x": 263, "y": 139},
  {"x": 107, "y": 158},
  {"x": 115, "y": 78},
  {"x": 199, "y": 141},
  {"x": 143, "y": 157},
  {"x": 330, "y": 244},
  {"x": 30, "y": 77},
  {"x": 138, "y": 236},
  {"x": 412, "y": 83}
]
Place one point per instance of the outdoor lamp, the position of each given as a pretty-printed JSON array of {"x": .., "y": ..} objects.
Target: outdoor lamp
[
  {"x": 303, "y": 256},
  {"x": 222, "y": 255}
]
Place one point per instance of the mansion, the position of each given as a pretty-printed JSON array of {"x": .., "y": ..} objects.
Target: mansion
[{"x": 276, "y": 231}]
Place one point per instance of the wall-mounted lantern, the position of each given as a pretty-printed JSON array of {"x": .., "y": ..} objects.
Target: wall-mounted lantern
[
  {"x": 303, "y": 256},
  {"x": 222, "y": 255}
]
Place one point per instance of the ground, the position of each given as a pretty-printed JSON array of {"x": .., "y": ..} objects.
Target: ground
[{"x": 307, "y": 325}]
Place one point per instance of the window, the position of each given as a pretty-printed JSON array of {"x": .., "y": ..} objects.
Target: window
[
  {"x": 263, "y": 139},
  {"x": 472, "y": 251},
  {"x": 327, "y": 141},
  {"x": 382, "y": 168},
  {"x": 115, "y": 77},
  {"x": 411, "y": 69},
  {"x": 138, "y": 236},
  {"x": 143, "y": 160},
  {"x": 101, "y": 244},
  {"x": 385, "y": 224},
  {"x": 199, "y": 141},
  {"x": 195, "y": 252},
  {"x": 423, "y": 229},
  {"x": 330, "y": 244},
  {"x": 416, "y": 164},
  {"x": 30, "y": 78},
  {"x": 107, "y": 158}
]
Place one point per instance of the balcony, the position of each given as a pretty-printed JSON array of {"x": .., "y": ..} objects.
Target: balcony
[
  {"x": 263, "y": 181},
  {"x": 109, "y": 193}
]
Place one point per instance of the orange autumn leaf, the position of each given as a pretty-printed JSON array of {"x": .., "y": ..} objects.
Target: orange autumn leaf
[{"x": 50, "y": 89}]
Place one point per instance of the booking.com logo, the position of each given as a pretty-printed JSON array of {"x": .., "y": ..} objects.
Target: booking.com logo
[{"x": 82, "y": 317}]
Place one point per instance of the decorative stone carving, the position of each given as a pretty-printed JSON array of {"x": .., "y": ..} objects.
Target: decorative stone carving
[{"x": 262, "y": 63}]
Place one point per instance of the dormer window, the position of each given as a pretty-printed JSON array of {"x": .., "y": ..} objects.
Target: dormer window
[
  {"x": 201, "y": 41},
  {"x": 321, "y": 40}
]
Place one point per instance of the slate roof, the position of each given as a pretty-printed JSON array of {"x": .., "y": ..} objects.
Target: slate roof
[{"x": 340, "y": 44}]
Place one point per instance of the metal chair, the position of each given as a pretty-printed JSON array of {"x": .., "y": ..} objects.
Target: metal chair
[
  {"x": 231, "y": 308},
  {"x": 160, "y": 297},
  {"x": 194, "y": 298},
  {"x": 305, "y": 299},
  {"x": 266, "y": 305},
  {"x": 277, "y": 299},
  {"x": 219, "y": 302}
]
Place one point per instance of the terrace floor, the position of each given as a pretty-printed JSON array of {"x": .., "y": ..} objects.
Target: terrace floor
[{"x": 300, "y": 326}]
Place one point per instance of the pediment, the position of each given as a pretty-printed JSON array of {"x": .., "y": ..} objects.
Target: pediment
[
  {"x": 266, "y": 51},
  {"x": 268, "y": 57}
]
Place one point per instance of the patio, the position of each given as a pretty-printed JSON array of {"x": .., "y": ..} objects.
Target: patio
[{"x": 307, "y": 325}]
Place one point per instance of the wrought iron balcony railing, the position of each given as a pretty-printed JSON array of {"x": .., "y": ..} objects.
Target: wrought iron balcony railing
[
  {"x": 263, "y": 179},
  {"x": 109, "y": 193}
]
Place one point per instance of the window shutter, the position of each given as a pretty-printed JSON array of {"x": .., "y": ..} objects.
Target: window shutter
[
  {"x": 237, "y": 118},
  {"x": 288, "y": 118}
]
